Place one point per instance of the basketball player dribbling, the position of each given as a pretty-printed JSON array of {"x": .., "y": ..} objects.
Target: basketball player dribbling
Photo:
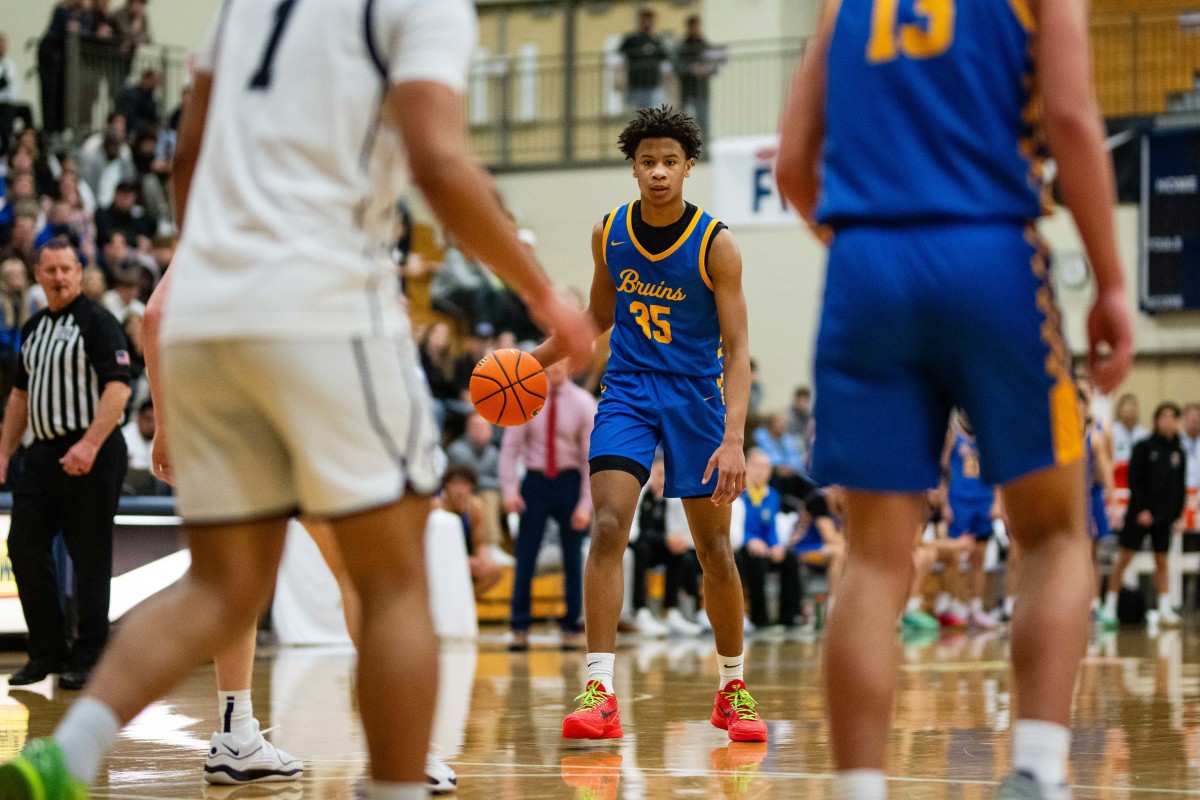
[
  {"x": 291, "y": 379},
  {"x": 908, "y": 137},
  {"x": 668, "y": 281}
]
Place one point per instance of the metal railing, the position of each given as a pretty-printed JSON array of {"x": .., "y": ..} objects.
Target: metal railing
[{"x": 529, "y": 113}]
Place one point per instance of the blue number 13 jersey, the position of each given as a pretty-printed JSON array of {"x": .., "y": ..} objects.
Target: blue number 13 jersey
[
  {"x": 666, "y": 313},
  {"x": 929, "y": 114}
]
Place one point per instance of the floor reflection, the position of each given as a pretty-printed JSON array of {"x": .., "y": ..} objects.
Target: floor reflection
[{"x": 1137, "y": 722}]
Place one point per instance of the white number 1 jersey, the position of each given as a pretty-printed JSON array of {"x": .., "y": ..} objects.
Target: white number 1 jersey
[{"x": 291, "y": 216}]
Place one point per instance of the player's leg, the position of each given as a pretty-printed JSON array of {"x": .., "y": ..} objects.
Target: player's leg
[
  {"x": 1050, "y": 626},
  {"x": 1130, "y": 541},
  {"x": 231, "y": 575},
  {"x": 789, "y": 588},
  {"x": 614, "y": 498},
  {"x": 734, "y": 707},
  {"x": 384, "y": 554},
  {"x": 915, "y": 618},
  {"x": 1160, "y": 537},
  {"x": 323, "y": 536},
  {"x": 860, "y": 673},
  {"x": 979, "y": 617},
  {"x": 1012, "y": 571}
]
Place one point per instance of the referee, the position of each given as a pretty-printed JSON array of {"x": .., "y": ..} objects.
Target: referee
[{"x": 72, "y": 385}]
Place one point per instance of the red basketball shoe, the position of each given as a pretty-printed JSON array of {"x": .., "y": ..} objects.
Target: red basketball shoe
[
  {"x": 597, "y": 716},
  {"x": 733, "y": 710}
]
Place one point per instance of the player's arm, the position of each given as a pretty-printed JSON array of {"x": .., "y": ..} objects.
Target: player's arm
[
  {"x": 464, "y": 198},
  {"x": 802, "y": 131},
  {"x": 601, "y": 304},
  {"x": 191, "y": 136},
  {"x": 1085, "y": 178},
  {"x": 725, "y": 271}
]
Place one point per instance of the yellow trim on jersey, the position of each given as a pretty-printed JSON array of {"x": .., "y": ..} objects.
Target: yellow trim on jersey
[
  {"x": 608, "y": 229},
  {"x": 691, "y": 227},
  {"x": 708, "y": 233},
  {"x": 1024, "y": 14}
]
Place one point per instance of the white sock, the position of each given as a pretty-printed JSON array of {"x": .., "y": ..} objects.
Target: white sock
[
  {"x": 86, "y": 734},
  {"x": 860, "y": 784},
  {"x": 383, "y": 790},
  {"x": 1010, "y": 603},
  {"x": 1164, "y": 604},
  {"x": 237, "y": 714},
  {"x": 943, "y": 602},
  {"x": 1040, "y": 749},
  {"x": 914, "y": 605},
  {"x": 1110, "y": 604},
  {"x": 600, "y": 668},
  {"x": 1095, "y": 603},
  {"x": 976, "y": 605},
  {"x": 730, "y": 668}
]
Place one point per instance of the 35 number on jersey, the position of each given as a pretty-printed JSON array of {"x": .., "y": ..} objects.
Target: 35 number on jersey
[
  {"x": 929, "y": 38},
  {"x": 653, "y": 321}
]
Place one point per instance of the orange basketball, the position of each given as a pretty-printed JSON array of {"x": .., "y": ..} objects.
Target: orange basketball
[{"x": 508, "y": 387}]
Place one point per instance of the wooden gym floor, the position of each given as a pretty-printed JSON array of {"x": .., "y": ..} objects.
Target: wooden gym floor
[{"x": 1137, "y": 723}]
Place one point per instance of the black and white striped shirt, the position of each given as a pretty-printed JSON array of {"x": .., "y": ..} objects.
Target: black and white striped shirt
[{"x": 67, "y": 358}]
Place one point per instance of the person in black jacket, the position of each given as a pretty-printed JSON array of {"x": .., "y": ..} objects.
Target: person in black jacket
[{"x": 1157, "y": 490}]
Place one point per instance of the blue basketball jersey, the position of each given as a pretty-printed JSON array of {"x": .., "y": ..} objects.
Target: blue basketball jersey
[
  {"x": 666, "y": 313},
  {"x": 929, "y": 114},
  {"x": 966, "y": 485}
]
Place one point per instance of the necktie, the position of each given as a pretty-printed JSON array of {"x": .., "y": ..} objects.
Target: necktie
[{"x": 551, "y": 434}]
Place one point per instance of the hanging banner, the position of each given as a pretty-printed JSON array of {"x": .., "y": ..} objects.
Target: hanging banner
[{"x": 744, "y": 183}]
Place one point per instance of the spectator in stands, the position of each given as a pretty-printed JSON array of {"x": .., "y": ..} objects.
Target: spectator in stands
[
  {"x": 151, "y": 176},
  {"x": 17, "y": 309},
  {"x": 123, "y": 302},
  {"x": 478, "y": 346},
  {"x": 818, "y": 540},
  {"x": 69, "y": 16},
  {"x": 45, "y": 165},
  {"x": 12, "y": 104},
  {"x": 114, "y": 123},
  {"x": 1157, "y": 492},
  {"x": 162, "y": 251},
  {"x": 687, "y": 580},
  {"x": 107, "y": 169},
  {"x": 139, "y": 102},
  {"x": 477, "y": 450},
  {"x": 59, "y": 223},
  {"x": 754, "y": 407},
  {"x": 553, "y": 448},
  {"x": 459, "y": 498},
  {"x": 132, "y": 27},
  {"x": 1189, "y": 439},
  {"x": 82, "y": 213},
  {"x": 787, "y": 460},
  {"x": 763, "y": 550},
  {"x": 21, "y": 240},
  {"x": 1126, "y": 432},
  {"x": 645, "y": 54},
  {"x": 94, "y": 286},
  {"x": 20, "y": 194},
  {"x": 800, "y": 414},
  {"x": 139, "y": 440},
  {"x": 649, "y": 549},
  {"x": 436, "y": 361},
  {"x": 695, "y": 66},
  {"x": 127, "y": 217},
  {"x": 462, "y": 288}
]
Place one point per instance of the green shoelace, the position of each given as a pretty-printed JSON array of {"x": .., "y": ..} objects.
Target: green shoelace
[
  {"x": 593, "y": 697},
  {"x": 742, "y": 703}
]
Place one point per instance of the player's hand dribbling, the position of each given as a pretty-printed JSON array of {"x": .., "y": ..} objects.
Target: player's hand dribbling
[
  {"x": 572, "y": 329},
  {"x": 730, "y": 464},
  {"x": 1109, "y": 324}
]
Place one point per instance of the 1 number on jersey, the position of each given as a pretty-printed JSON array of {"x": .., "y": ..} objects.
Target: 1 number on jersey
[
  {"x": 262, "y": 77},
  {"x": 912, "y": 40}
]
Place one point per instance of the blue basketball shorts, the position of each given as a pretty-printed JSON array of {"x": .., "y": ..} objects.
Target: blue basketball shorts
[
  {"x": 639, "y": 411},
  {"x": 920, "y": 319},
  {"x": 1098, "y": 514},
  {"x": 970, "y": 517}
]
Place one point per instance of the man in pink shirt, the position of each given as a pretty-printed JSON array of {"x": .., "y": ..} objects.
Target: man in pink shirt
[{"x": 553, "y": 447}]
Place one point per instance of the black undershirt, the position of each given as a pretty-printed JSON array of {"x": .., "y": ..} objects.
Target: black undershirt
[{"x": 658, "y": 240}]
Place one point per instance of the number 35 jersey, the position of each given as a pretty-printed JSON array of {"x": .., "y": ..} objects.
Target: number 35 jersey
[
  {"x": 666, "y": 312},
  {"x": 291, "y": 216}
]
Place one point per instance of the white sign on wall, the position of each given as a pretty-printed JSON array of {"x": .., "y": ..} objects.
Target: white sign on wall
[{"x": 744, "y": 182}]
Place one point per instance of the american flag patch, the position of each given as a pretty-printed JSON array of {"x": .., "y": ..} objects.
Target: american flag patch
[{"x": 123, "y": 358}]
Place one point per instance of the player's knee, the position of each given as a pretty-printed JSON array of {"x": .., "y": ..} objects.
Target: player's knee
[{"x": 610, "y": 534}]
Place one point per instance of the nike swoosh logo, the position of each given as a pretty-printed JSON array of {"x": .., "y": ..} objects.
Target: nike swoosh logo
[
  {"x": 236, "y": 753},
  {"x": 614, "y": 244},
  {"x": 726, "y": 713},
  {"x": 607, "y": 714}
]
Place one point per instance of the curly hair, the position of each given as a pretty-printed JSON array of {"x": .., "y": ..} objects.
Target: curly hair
[{"x": 661, "y": 123}]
